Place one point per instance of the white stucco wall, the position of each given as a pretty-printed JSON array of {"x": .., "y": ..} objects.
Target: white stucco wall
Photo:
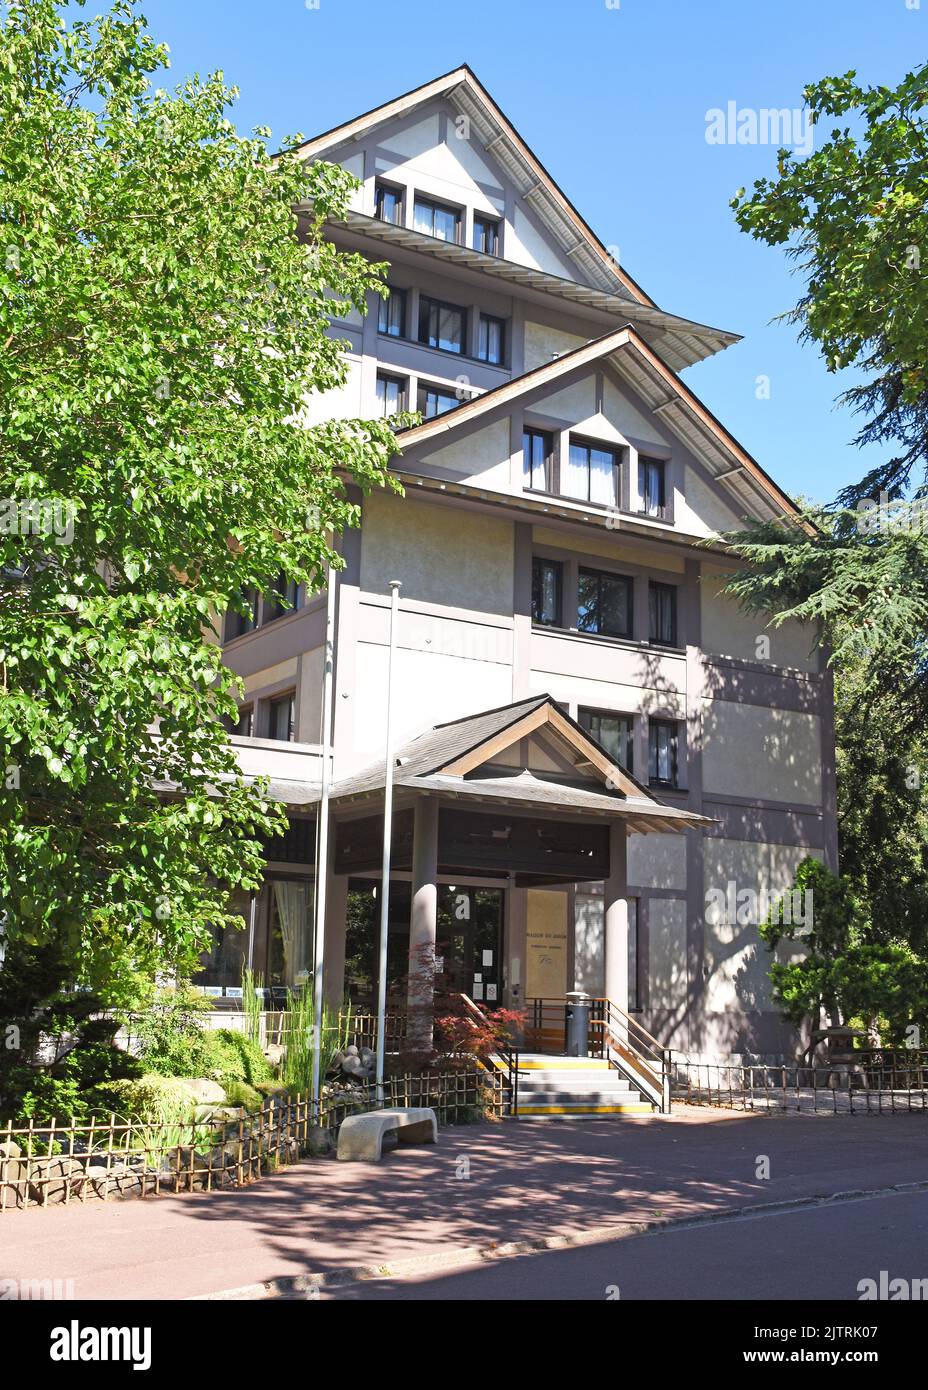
[{"x": 763, "y": 753}]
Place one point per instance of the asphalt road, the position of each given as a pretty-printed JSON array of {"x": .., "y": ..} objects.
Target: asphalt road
[{"x": 816, "y": 1253}]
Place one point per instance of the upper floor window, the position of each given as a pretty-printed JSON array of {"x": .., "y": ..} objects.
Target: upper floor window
[
  {"x": 604, "y": 603},
  {"x": 285, "y": 597},
  {"x": 486, "y": 234},
  {"x": 592, "y": 473},
  {"x": 614, "y": 732},
  {"x": 652, "y": 473},
  {"x": 435, "y": 400},
  {"x": 492, "y": 342},
  {"x": 662, "y": 614},
  {"x": 388, "y": 203},
  {"x": 281, "y": 718},
  {"x": 547, "y": 591},
  {"x": 662, "y": 752},
  {"x": 243, "y": 724},
  {"x": 391, "y": 394},
  {"x": 538, "y": 460},
  {"x": 441, "y": 325},
  {"x": 391, "y": 314},
  {"x": 437, "y": 220},
  {"x": 238, "y": 623}
]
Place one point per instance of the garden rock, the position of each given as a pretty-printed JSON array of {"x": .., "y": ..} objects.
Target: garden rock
[
  {"x": 203, "y": 1090},
  {"x": 275, "y": 1053},
  {"x": 319, "y": 1142},
  {"x": 12, "y": 1172}
]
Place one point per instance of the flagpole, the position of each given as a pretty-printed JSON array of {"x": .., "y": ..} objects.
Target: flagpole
[
  {"x": 322, "y": 842},
  {"x": 395, "y": 586}
]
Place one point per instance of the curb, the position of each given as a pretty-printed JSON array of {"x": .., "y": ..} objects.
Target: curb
[{"x": 306, "y": 1285}]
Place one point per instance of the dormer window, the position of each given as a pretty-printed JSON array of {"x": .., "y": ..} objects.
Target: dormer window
[
  {"x": 437, "y": 220},
  {"x": 652, "y": 473},
  {"x": 388, "y": 203},
  {"x": 591, "y": 473},
  {"x": 537, "y": 460},
  {"x": 486, "y": 234}
]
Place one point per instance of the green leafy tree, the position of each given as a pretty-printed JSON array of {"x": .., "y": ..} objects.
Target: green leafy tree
[
  {"x": 843, "y": 973},
  {"x": 164, "y": 320}
]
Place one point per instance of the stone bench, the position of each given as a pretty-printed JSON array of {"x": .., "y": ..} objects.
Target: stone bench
[{"x": 361, "y": 1136}]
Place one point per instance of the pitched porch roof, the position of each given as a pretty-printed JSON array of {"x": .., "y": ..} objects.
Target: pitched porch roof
[{"x": 461, "y": 760}]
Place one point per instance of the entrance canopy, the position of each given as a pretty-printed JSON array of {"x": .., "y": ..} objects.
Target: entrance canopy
[{"x": 524, "y": 793}]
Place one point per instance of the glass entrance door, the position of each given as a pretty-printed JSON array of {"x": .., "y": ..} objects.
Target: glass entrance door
[{"x": 470, "y": 939}]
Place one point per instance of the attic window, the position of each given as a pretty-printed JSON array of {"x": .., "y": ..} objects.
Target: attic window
[
  {"x": 436, "y": 220},
  {"x": 652, "y": 473},
  {"x": 486, "y": 235},
  {"x": 388, "y": 203}
]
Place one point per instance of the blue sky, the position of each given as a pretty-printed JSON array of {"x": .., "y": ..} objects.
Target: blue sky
[{"x": 613, "y": 100}]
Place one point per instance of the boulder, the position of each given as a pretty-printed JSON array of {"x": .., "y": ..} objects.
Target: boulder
[
  {"x": 274, "y": 1052},
  {"x": 320, "y": 1143},
  {"x": 203, "y": 1090},
  {"x": 50, "y": 1179},
  {"x": 13, "y": 1174}
]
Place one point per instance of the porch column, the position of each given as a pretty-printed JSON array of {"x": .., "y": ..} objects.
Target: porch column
[
  {"x": 423, "y": 918},
  {"x": 615, "y": 918}
]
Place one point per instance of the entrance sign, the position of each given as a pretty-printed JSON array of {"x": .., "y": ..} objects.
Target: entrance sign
[{"x": 546, "y": 945}]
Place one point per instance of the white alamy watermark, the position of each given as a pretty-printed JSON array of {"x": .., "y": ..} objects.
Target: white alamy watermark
[
  {"x": 77, "y": 1343},
  {"x": 884, "y": 1289},
  {"x": 49, "y": 517},
  {"x": 783, "y": 127},
  {"x": 888, "y": 515},
  {"x": 36, "y": 1290},
  {"x": 750, "y": 907}
]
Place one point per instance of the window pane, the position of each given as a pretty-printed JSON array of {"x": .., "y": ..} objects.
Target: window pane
[
  {"x": 602, "y": 477},
  {"x": 389, "y": 204},
  {"x": 486, "y": 236},
  {"x": 616, "y": 603},
  {"x": 281, "y": 721},
  {"x": 491, "y": 339},
  {"x": 575, "y": 479},
  {"x": 652, "y": 486},
  {"x": 588, "y": 602},
  {"x": 536, "y": 450},
  {"x": 546, "y": 592},
  {"x": 613, "y": 732},
  {"x": 662, "y": 604},
  {"x": 662, "y": 752},
  {"x": 422, "y": 217},
  {"x": 391, "y": 315},
  {"x": 433, "y": 402},
  {"x": 445, "y": 225}
]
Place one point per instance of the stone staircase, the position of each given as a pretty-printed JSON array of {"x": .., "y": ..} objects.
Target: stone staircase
[{"x": 550, "y": 1085}]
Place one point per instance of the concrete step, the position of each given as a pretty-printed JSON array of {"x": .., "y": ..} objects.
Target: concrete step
[
  {"x": 553, "y": 1086},
  {"x": 575, "y": 1107}
]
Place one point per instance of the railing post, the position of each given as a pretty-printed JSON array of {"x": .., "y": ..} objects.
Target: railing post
[{"x": 665, "y": 1081}]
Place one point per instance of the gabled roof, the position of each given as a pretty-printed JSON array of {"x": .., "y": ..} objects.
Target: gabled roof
[
  {"x": 500, "y": 138},
  {"x": 683, "y": 342},
  {"x": 661, "y": 389},
  {"x": 448, "y": 759}
]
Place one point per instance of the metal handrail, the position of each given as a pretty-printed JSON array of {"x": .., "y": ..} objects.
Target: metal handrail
[
  {"x": 651, "y": 1058},
  {"x": 503, "y": 1060}
]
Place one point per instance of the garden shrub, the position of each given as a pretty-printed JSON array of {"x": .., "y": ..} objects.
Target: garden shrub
[
  {"x": 240, "y": 1093},
  {"x": 146, "y": 1098}
]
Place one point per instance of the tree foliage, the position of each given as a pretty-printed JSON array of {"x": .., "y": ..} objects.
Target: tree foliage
[{"x": 162, "y": 328}]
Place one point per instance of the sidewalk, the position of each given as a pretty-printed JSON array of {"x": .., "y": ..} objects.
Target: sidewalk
[{"x": 481, "y": 1184}]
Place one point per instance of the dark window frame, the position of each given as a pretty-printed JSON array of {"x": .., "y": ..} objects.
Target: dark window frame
[
  {"x": 436, "y": 205},
  {"x": 485, "y": 357},
  {"x": 587, "y": 713},
  {"x": 557, "y": 567},
  {"x": 486, "y": 223},
  {"x": 654, "y": 725},
  {"x": 580, "y": 441},
  {"x": 659, "y": 466},
  {"x": 396, "y": 297},
  {"x": 430, "y": 303},
  {"x": 436, "y": 388},
  {"x": 271, "y": 607},
  {"x": 600, "y": 575},
  {"x": 550, "y": 461},
  {"x": 402, "y": 382},
  {"x": 382, "y": 186},
  {"x": 274, "y": 702},
  {"x": 655, "y": 587}
]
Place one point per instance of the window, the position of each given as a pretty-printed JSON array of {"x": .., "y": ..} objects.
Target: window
[
  {"x": 547, "y": 584},
  {"x": 441, "y": 325},
  {"x": 614, "y": 732},
  {"x": 388, "y": 203},
  {"x": 436, "y": 220},
  {"x": 243, "y": 724},
  {"x": 538, "y": 460},
  {"x": 662, "y": 752},
  {"x": 591, "y": 474},
  {"x": 492, "y": 339},
  {"x": 285, "y": 597},
  {"x": 435, "y": 400},
  {"x": 391, "y": 315},
  {"x": 280, "y": 722},
  {"x": 604, "y": 603},
  {"x": 486, "y": 234},
  {"x": 238, "y": 623},
  {"x": 662, "y": 614},
  {"x": 653, "y": 494},
  {"x": 391, "y": 394}
]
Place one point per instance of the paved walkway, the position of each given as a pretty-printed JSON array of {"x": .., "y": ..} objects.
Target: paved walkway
[{"x": 481, "y": 1184}]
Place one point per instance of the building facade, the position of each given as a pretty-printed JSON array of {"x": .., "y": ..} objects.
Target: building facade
[{"x": 593, "y": 742}]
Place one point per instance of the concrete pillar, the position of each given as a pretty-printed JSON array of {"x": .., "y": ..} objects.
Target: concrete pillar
[
  {"x": 615, "y": 918},
  {"x": 423, "y": 917}
]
